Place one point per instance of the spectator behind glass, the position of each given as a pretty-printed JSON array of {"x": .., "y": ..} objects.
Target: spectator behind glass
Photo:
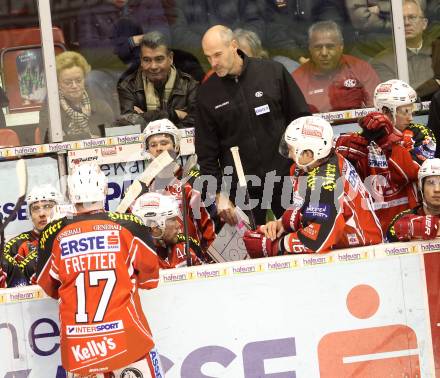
[
  {"x": 82, "y": 112},
  {"x": 251, "y": 45},
  {"x": 372, "y": 26},
  {"x": 157, "y": 89},
  {"x": 109, "y": 34},
  {"x": 418, "y": 50},
  {"x": 332, "y": 80}
]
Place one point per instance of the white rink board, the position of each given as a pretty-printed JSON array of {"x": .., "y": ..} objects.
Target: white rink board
[{"x": 249, "y": 310}]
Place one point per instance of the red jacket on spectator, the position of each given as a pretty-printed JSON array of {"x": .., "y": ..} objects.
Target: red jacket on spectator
[{"x": 349, "y": 87}]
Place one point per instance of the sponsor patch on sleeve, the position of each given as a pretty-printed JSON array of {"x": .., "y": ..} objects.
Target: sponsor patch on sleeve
[
  {"x": 319, "y": 211},
  {"x": 351, "y": 175}
]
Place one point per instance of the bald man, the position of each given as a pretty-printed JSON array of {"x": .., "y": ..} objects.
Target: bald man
[{"x": 248, "y": 103}]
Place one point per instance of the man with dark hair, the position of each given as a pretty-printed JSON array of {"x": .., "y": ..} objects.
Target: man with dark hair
[{"x": 157, "y": 89}]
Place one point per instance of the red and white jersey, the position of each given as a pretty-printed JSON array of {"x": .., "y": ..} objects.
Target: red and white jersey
[
  {"x": 391, "y": 178},
  {"x": 200, "y": 224},
  {"x": 335, "y": 209},
  {"x": 391, "y": 175},
  {"x": 94, "y": 264},
  {"x": 176, "y": 257}
]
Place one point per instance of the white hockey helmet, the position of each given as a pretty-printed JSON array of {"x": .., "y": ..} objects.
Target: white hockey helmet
[
  {"x": 430, "y": 167},
  {"x": 44, "y": 192},
  {"x": 87, "y": 183},
  {"x": 393, "y": 93},
  {"x": 162, "y": 126},
  {"x": 154, "y": 209},
  {"x": 308, "y": 133}
]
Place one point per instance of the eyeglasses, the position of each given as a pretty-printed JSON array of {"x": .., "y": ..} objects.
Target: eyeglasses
[
  {"x": 47, "y": 206},
  {"x": 412, "y": 19},
  {"x": 69, "y": 83}
]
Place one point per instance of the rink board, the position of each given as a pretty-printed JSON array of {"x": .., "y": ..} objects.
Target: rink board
[{"x": 291, "y": 316}]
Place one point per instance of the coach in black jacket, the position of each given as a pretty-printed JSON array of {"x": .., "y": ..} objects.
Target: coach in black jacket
[{"x": 248, "y": 103}]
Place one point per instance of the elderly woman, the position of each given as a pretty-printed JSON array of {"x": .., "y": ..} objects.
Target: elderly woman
[{"x": 83, "y": 115}]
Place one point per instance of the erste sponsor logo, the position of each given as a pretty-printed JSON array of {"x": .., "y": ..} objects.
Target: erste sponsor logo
[{"x": 90, "y": 242}]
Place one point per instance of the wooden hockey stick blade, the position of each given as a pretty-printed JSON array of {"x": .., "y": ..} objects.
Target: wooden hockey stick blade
[
  {"x": 155, "y": 167},
  {"x": 238, "y": 166},
  {"x": 22, "y": 177},
  {"x": 132, "y": 193},
  {"x": 190, "y": 163}
]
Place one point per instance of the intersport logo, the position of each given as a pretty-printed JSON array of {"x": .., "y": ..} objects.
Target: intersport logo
[{"x": 94, "y": 329}]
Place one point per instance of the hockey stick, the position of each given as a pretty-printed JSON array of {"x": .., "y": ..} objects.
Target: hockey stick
[
  {"x": 242, "y": 182},
  {"x": 191, "y": 161},
  {"x": 22, "y": 187},
  {"x": 153, "y": 169}
]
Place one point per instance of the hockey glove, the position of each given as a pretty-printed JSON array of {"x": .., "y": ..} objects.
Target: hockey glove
[
  {"x": 412, "y": 226},
  {"x": 291, "y": 219},
  {"x": 378, "y": 128},
  {"x": 259, "y": 245},
  {"x": 352, "y": 146}
]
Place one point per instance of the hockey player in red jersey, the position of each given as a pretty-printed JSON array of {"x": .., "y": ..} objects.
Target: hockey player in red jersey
[
  {"x": 94, "y": 262},
  {"x": 160, "y": 213},
  {"x": 390, "y": 149},
  {"x": 162, "y": 135},
  {"x": 335, "y": 209},
  {"x": 422, "y": 221},
  {"x": 22, "y": 249}
]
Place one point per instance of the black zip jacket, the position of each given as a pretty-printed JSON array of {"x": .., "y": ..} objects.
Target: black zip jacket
[
  {"x": 131, "y": 93},
  {"x": 250, "y": 111}
]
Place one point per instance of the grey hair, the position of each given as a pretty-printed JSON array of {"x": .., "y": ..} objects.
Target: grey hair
[
  {"x": 154, "y": 39},
  {"x": 253, "y": 41},
  {"x": 326, "y": 26}
]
